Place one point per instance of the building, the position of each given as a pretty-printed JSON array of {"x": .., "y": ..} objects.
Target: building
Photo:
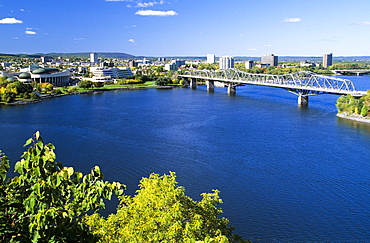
[
  {"x": 226, "y": 62},
  {"x": 327, "y": 60},
  {"x": 211, "y": 58},
  {"x": 132, "y": 63},
  {"x": 35, "y": 73},
  {"x": 270, "y": 59},
  {"x": 94, "y": 57},
  {"x": 249, "y": 64},
  {"x": 171, "y": 67},
  {"x": 45, "y": 59},
  {"x": 113, "y": 73}
]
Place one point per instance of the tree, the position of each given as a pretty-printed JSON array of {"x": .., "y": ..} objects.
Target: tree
[
  {"x": 98, "y": 84},
  {"x": 161, "y": 212},
  {"x": 46, "y": 201},
  {"x": 85, "y": 84}
]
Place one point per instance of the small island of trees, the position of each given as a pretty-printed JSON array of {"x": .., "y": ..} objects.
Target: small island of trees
[{"x": 349, "y": 105}]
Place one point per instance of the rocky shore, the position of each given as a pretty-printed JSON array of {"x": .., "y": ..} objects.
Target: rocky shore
[{"x": 354, "y": 117}]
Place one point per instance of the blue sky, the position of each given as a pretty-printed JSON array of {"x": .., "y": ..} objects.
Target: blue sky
[{"x": 187, "y": 28}]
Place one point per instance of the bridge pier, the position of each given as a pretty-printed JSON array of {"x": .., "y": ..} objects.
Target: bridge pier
[
  {"x": 231, "y": 89},
  {"x": 303, "y": 100},
  {"x": 193, "y": 83},
  {"x": 210, "y": 85},
  {"x": 185, "y": 81}
]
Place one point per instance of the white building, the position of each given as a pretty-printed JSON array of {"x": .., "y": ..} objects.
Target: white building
[
  {"x": 226, "y": 62},
  {"x": 211, "y": 58},
  {"x": 94, "y": 57},
  {"x": 113, "y": 73}
]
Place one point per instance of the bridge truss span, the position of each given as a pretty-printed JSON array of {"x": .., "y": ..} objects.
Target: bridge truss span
[{"x": 301, "y": 83}]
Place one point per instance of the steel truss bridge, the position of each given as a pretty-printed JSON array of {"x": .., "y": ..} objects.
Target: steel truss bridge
[{"x": 302, "y": 83}]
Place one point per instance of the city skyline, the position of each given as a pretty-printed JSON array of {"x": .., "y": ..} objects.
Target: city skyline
[{"x": 191, "y": 28}]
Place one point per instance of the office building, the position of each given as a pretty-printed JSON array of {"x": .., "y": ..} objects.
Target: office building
[
  {"x": 226, "y": 62},
  {"x": 94, "y": 58},
  {"x": 327, "y": 60},
  {"x": 111, "y": 72},
  {"x": 249, "y": 64},
  {"x": 211, "y": 58},
  {"x": 270, "y": 59}
]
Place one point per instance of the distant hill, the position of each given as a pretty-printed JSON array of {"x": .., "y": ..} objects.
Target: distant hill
[{"x": 70, "y": 55}]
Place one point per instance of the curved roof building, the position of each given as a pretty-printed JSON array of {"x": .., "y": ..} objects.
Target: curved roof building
[{"x": 35, "y": 73}]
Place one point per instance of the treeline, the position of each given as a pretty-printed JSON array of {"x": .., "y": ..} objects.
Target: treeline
[
  {"x": 13, "y": 89},
  {"x": 47, "y": 202},
  {"x": 158, "y": 78},
  {"x": 351, "y": 105}
]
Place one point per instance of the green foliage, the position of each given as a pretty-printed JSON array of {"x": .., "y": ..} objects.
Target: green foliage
[
  {"x": 46, "y": 201},
  {"x": 20, "y": 87},
  {"x": 85, "y": 84},
  {"x": 161, "y": 212},
  {"x": 351, "y": 105},
  {"x": 162, "y": 81},
  {"x": 98, "y": 84}
]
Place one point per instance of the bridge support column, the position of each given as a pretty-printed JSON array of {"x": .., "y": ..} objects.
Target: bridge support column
[
  {"x": 231, "y": 90},
  {"x": 210, "y": 85},
  {"x": 303, "y": 100},
  {"x": 193, "y": 83},
  {"x": 185, "y": 81}
]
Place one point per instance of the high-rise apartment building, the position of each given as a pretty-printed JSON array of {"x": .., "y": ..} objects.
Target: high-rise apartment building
[
  {"x": 327, "y": 60},
  {"x": 270, "y": 59},
  {"x": 226, "y": 62},
  {"x": 94, "y": 57},
  {"x": 211, "y": 58}
]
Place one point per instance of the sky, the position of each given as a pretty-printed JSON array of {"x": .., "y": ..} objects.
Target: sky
[{"x": 156, "y": 28}]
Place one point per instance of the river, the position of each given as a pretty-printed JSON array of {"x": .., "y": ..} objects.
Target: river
[{"x": 286, "y": 173}]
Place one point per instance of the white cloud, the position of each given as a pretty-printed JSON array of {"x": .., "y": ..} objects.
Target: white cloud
[
  {"x": 156, "y": 13},
  {"x": 292, "y": 20},
  {"x": 252, "y": 49},
  {"x": 364, "y": 23},
  {"x": 131, "y": 40},
  {"x": 22, "y": 10},
  {"x": 268, "y": 45},
  {"x": 78, "y": 39},
  {"x": 30, "y": 32},
  {"x": 10, "y": 21}
]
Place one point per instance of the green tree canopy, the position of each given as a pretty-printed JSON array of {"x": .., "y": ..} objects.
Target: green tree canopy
[
  {"x": 46, "y": 201},
  {"x": 161, "y": 212}
]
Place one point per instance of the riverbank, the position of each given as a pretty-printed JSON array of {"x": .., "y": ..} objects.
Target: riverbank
[
  {"x": 354, "y": 117},
  {"x": 49, "y": 96}
]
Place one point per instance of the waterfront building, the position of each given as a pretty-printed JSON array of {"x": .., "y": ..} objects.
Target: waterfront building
[
  {"x": 94, "y": 57},
  {"x": 226, "y": 62},
  {"x": 38, "y": 74},
  {"x": 114, "y": 73},
  {"x": 270, "y": 59},
  {"x": 249, "y": 64},
  {"x": 327, "y": 60},
  {"x": 211, "y": 58}
]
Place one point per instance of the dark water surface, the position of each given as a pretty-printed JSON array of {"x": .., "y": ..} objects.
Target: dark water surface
[{"x": 285, "y": 173}]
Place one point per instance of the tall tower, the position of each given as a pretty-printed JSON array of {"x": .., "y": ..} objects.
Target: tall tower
[
  {"x": 226, "y": 62},
  {"x": 93, "y": 57},
  {"x": 270, "y": 59},
  {"x": 211, "y": 58},
  {"x": 327, "y": 60}
]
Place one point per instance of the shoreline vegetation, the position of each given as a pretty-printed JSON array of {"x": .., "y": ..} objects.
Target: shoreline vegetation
[
  {"x": 89, "y": 91},
  {"x": 357, "y": 109}
]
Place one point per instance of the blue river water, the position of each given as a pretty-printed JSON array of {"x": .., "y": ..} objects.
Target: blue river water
[{"x": 286, "y": 173}]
